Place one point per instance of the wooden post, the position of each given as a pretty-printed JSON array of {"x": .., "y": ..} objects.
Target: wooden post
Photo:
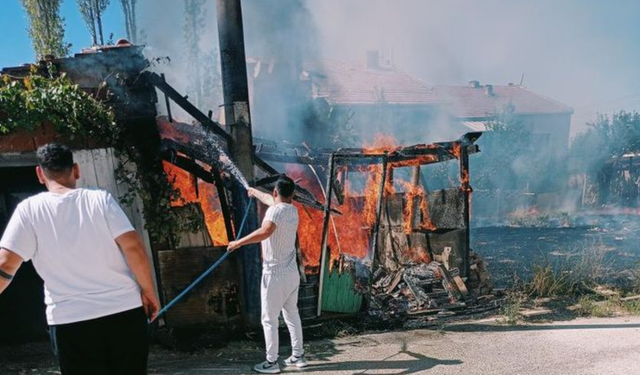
[
  {"x": 167, "y": 102},
  {"x": 325, "y": 231},
  {"x": 376, "y": 224},
  {"x": 235, "y": 88},
  {"x": 466, "y": 189},
  {"x": 415, "y": 182}
]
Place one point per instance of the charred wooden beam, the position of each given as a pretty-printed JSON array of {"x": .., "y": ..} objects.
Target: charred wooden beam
[
  {"x": 325, "y": 231},
  {"x": 224, "y": 204},
  {"x": 302, "y": 195},
  {"x": 193, "y": 151},
  {"x": 303, "y": 154},
  {"x": 264, "y": 165},
  {"x": 404, "y": 157},
  {"x": 189, "y": 166},
  {"x": 466, "y": 188},
  {"x": 167, "y": 102},
  {"x": 376, "y": 224},
  {"x": 183, "y": 103}
]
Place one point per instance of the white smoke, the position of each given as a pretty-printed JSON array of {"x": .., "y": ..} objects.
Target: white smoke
[{"x": 581, "y": 52}]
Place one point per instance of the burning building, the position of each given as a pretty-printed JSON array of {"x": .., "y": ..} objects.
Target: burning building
[{"x": 369, "y": 223}]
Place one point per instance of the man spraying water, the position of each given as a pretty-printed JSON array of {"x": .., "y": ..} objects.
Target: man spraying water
[{"x": 280, "y": 276}]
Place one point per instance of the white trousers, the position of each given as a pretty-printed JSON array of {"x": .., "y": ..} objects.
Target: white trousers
[{"x": 280, "y": 293}]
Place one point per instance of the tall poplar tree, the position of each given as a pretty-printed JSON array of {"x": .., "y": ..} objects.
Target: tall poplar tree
[
  {"x": 92, "y": 11},
  {"x": 46, "y": 28},
  {"x": 129, "y": 10},
  {"x": 194, "y": 23}
]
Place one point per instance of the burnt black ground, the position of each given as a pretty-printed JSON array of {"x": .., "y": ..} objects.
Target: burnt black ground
[{"x": 515, "y": 251}]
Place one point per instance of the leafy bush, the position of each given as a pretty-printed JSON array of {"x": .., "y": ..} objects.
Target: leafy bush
[{"x": 28, "y": 103}]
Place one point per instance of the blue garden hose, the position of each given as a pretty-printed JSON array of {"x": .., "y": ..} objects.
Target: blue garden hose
[{"x": 208, "y": 271}]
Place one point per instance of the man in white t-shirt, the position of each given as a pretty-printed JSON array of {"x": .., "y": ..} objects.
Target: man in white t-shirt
[
  {"x": 98, "y": 285},
  {"x": 280, "y": 275}
]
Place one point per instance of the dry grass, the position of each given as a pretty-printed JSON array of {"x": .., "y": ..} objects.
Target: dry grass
[
  {"x": 602, "y": 308},
  {"x": 572, "y": 275},
  {"x": 511, "y": 308},
  {"x": 548, "y": 281},
  {"x": 636, "y": 279}
]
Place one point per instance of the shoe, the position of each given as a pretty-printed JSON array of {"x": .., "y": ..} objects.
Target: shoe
[
  {"x": 267, "y": 367},
  {"x": 299, "y": 362}
]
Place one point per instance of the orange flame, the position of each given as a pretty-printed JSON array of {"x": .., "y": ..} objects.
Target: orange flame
[
  {"x": 416, "y": 194},
  {"x": 350, "y": 234},
  {"x": 207, "y": 198},
  {"x": 381, "y": 143},
  {"x": 184, "y": 182}
]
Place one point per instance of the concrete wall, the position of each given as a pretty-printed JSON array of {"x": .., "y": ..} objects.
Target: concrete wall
[{"x": 556, "y": 126}]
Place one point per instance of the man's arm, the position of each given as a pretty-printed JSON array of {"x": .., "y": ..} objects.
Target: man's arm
[
  {"x": 138, "y": 261},
  {"x": 262, "y": 197},
  {"x": 260, "y": 234},
  {"x": 9, "y": 264}
]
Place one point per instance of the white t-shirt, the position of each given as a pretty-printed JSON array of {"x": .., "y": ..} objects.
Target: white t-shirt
[
  {"x": 70, "y": 238},
  {"x": 279, "y": 250}
]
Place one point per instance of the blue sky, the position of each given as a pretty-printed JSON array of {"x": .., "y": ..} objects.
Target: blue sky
[
  {"x": 15, "y": 45},
  {"x": 583, "y": 53}
]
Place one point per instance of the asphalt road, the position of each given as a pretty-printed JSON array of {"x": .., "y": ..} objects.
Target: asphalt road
[{"x": 582, "y": 346}]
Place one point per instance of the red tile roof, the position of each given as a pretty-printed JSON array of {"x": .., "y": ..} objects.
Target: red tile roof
[
  {"x": 353, "y": 84},
  {"x": 474, "y": 102},
  {"x": 348, "y": 83}
]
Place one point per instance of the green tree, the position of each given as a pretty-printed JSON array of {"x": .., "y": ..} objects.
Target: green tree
[
  {"x": 129, "y": 10},
  {"x": 509, "y": 159},
  {"x": 46, "y": 28},
  {"x": 607, "y": 138},
  {"x": 194, "y": 22},
  {"x": 204, "y": 86},
  {"x": 596, "y": 154},
  {"x": 92, "y": 12}
]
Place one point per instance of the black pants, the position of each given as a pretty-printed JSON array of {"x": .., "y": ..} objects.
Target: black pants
[{"x": 112, "y": 345}]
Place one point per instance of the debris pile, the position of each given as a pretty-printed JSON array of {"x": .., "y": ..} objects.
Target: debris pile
[{"x": 427, "y": 288}]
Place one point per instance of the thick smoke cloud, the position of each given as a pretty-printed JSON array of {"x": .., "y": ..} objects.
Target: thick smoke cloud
[{"x": 581, "y": 52}]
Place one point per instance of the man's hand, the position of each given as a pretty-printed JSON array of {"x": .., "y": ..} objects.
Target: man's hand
[
  {"x": 134, "y": 252},
  {"x": 151, "y": 304},
  {"x": 261, "y": 196},
  {"x": 233, "y": 245}
]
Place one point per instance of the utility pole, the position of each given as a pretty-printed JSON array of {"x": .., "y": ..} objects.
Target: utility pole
[{"x": 238, "y": 121}]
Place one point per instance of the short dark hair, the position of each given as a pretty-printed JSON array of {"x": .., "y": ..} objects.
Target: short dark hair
[
  {"x": 285, "y": 187},
  {"x": 55, "y": 159}
]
